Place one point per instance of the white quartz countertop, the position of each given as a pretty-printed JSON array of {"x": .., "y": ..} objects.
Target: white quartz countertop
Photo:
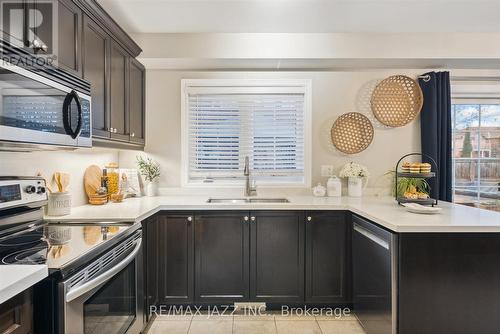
[
  {"x": 381, "y": 210},
  {"x": 15, "y": 279}
]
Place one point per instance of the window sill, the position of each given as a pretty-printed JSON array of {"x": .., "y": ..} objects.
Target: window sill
[{"x": 241, "y": 185}]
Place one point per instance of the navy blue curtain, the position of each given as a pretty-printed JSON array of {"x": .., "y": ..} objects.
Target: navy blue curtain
[{"x": 435, "y": 124}]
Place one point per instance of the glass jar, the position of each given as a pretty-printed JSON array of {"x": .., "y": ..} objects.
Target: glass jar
[{"x": 113, "y": 178}]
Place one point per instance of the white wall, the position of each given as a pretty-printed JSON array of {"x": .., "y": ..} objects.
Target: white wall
[
  {"x": 334, "y": 93},
  {"x": 72, "y": 162}
]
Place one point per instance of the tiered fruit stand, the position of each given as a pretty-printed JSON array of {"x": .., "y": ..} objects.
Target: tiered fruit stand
[{"x": 432, "y": 174}]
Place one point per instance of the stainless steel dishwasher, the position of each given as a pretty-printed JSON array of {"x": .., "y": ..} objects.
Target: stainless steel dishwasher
[{"x": 374, "y": 265}]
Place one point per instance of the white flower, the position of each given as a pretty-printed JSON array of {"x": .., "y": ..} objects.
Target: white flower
[{"x": 353, "y": 169}]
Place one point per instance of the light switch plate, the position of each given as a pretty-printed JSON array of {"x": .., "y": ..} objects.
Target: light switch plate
[{"x": 326, "y": 170}]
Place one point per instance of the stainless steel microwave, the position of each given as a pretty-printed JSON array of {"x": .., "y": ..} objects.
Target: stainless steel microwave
[{"x": 36, "y": 112}]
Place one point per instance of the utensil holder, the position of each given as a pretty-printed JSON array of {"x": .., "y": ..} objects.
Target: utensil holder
[{"x": 59, "y": 204}]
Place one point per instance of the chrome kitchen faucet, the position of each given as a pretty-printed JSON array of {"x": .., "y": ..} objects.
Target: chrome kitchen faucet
[{"x": 250, "y": 188}]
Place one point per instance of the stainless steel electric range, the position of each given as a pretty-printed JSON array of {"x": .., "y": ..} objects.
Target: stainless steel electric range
[{"x": 95, "y": 268}]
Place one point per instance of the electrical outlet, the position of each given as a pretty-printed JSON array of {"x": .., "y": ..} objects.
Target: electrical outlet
[{"x": 326, "y": 170}]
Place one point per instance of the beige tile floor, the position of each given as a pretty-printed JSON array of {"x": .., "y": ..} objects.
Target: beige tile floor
[{"x": 270, "y": 323}]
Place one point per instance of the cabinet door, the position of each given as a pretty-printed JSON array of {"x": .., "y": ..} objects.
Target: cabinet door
[
  {"x": 277, "y": 256},
  {"x": 96, "y": 71},
  {"x": 327, "y": 248},
  {"x": 23, "y": 27},
  {"x": 16, "y": 314},
  {"x": 221, "y": 246},
  {"x": 176, "y": 258},
  {"x": 150, "y": 229},
  {"x": 136, "y": 101},
  {"x": 69, "y": 23},
  {"x": 15, "y": 24},
  {"x": 118, "y": 92}
]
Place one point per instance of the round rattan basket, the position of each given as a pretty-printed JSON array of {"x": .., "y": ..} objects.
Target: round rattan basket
[
  {"x": 397, "y": 100},
  {"x": 352, "y": 133}
]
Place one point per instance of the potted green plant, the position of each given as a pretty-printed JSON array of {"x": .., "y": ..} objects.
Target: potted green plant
[
  {"x": 151, "y": 171},
  {"x": 409, "y": 185}
]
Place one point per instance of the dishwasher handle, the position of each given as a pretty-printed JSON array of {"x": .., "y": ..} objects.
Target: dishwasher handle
[{"x": 370, "y": 235}]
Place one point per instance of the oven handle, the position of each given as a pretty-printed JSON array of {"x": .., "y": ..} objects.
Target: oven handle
[{"x": 103, "y": 278}]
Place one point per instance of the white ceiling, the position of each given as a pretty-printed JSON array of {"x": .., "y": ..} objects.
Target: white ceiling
[{"x": 293, "y": 16}]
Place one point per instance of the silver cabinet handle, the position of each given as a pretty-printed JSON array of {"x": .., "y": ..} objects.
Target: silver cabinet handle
[
  {"x": 252, "y": 218},
  {"x": 309, "y": 218},
  {"x": 132, "y": 134},
  {"x": 115, "y": 130},
  {"x": 245, "y": 218},
  {"x": 103, "y": 278},
  {"x": 189, "y": 219}
]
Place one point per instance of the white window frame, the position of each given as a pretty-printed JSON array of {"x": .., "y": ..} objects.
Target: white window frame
[
  {"x": 189, "y": 84},
  {"x": 482, "y": 91}
]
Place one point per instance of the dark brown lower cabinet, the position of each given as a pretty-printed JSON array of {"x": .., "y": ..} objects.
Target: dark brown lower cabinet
[
  {"x": 277, "y": 256},
  {"x": 176, "y": 261},
  {"x": 222, "y": 257},
  {"x": 327, "y": 253},
  {"x": 151, "y": 261},
  {"x": 16, "y": 314},
  {"x": 448, "y": 283}
]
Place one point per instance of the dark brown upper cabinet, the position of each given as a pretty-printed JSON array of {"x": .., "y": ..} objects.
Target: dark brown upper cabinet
[
  {"x": 277, "y": 256},
  {"x": 23, "y": 28},
  {"x": 69, "y": 37},
  {"x": 221, "y": 257},
  {"x": 119, "y": 92},
  {"x": 93, "y": 46},
  {"x": 137, "y": 92},
  {"x": 327, "y": 251},
  {"x": 89, "y": 44},
  {"x": 96, "y": 71},
  {"x": 176, "y": 260}
]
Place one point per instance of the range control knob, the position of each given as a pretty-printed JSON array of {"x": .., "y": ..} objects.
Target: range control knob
[
  {"x": 40, "y": 190},
  {"x": 30, "y": 189}
]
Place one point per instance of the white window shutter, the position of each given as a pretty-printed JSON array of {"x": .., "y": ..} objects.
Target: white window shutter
[{"x": 226, "y": 124}]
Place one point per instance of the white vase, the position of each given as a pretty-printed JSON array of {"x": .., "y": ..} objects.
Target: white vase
[
  {"x": 355, "y": 186},
  {"x": 152, "y": 188}
]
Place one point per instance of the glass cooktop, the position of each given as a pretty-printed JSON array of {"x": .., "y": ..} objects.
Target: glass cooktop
[{"x": 57, "y": 245}]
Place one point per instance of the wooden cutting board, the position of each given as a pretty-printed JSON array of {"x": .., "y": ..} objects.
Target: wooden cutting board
[{"x": 92, "y": 179}]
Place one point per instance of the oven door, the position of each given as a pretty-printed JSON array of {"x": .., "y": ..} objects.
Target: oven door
[
  {"x": 38, "y": 111},
  {"x": 106, "y": 297}
]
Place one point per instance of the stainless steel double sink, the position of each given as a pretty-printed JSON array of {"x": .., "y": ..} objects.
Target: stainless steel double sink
[{"x": 247, "y": 200}]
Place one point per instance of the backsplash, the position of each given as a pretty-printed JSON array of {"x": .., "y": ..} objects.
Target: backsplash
[{"x": 48, "y": 162}]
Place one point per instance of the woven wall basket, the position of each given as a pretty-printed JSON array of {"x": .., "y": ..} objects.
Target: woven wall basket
[
  {"x": 352, "y": 133},
  {"x": 397, "y": 100}
]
